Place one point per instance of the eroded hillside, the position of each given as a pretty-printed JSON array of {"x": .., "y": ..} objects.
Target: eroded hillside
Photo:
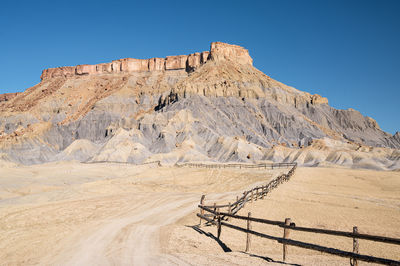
[{"x": 212, "y": 105}]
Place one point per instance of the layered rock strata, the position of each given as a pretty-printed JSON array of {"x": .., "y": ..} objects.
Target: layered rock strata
[
  {"x": 218, "y": 51},
  {"x": 213, "y": 105},
  {"x": 7, "y": 96}
]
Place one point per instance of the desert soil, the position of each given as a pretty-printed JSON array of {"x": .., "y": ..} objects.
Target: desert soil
[
  {"x": 69, "y": 213},
  {"x": 329, "y": 198}
]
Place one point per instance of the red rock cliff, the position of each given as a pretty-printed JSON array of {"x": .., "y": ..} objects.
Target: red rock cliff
[{"x": 218, "y": 51}]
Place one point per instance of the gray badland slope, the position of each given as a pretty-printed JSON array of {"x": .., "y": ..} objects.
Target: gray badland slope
[{"x": 222, "y": 110}]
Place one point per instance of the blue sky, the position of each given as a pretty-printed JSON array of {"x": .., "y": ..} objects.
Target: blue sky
[{"x": 348, "y": 51}]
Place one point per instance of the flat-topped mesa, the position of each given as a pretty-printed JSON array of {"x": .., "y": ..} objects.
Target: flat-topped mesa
[{"x": 218, "y": 51}]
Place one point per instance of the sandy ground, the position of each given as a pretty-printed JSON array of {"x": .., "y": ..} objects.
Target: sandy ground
[
  {"x": 328, "y": 198},
  {"x": 68, "y": 213}
]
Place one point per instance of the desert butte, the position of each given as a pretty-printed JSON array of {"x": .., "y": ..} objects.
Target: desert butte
[
  {"x": 209, "y": 106},
  {"x": 72, "y": 213},
  {"x": 77, "y": 186}
]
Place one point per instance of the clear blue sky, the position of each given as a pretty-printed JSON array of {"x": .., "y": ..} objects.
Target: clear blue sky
[{"x": 348, "y": 51}]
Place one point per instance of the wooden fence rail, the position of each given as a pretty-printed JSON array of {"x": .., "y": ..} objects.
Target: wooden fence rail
[
  {"x": 217, "y": 217},
  {"x": 237, "y": 165},
  {"x": 291, "y": 242},
  {"x": 254, "y": 193},
  {"x": 281, "y": 224}
]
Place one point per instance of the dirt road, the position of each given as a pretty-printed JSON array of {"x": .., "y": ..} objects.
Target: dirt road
[{"x": 103, "y": 214}]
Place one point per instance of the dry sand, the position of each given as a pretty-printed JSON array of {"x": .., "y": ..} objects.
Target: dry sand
[
  {"x": 328, "y": 198},
  {"x": 68, "y": 213}
]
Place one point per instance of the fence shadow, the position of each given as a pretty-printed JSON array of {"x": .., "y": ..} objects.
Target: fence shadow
[
  {"x": 269, "y": 259},
  {"x": 224, "y": 247},
  {"x": 214, "y": 216}
]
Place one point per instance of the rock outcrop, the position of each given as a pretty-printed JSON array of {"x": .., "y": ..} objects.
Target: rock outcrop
[
  {"x": 394, "y": 141},
  {"x": 7, "y": 96},
  {"x": 218, "y": 51},
  {"x": 224, "y": 51},
  {"x": 318, "y": 99},
  {"x": 212, "y": 105}
]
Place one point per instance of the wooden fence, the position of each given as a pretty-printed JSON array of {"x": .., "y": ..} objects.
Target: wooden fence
[
  {"x": 215, "y": 216},
  {"x": 253, "y": 194},
  {"x": 217, "y": 219},
  {"x": 237, "y": 165}
]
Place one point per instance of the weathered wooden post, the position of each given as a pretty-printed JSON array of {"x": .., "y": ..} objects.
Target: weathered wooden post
[
  {"x": 262, "y": 192},
  {"x": 215, "y": 209},
  {"x": 256, "y": 193},
  {"x": 229, "y": 209},
  {"x": 201, "y": 204},
  {"x": 248, "y": 240},
  {"x": 286, "y": 235},
  {"x": 219, "y": 226},
  {"x": 251, "y": 199},
  {"x": 354, "y": 262}
]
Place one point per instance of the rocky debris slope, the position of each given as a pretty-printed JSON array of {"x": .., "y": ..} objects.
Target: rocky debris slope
[
  {"x": 205, "y": 106},
  {"x": 7, "y": 96}
]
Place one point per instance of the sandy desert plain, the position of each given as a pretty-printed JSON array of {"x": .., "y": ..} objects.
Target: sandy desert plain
[{"x": 71, "y": 213}]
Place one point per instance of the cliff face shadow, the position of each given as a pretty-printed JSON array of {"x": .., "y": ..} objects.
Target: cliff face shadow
[{"x": 224, "y": 247}]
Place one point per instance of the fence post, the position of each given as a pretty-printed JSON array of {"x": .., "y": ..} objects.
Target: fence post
[
  {"x": 262, "y": 192},
  {"x": 285, "y": 235},
  {"x": 256, "y": 193},
  {"x": 248, "y": 240},
  {"x": 215, "y": 209},
  {"x": 201, "y": 203},
  {"x": 354, "y": 262},
  {"x": 251, "y": 195},
  {"x": 219, "y": 227}
]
